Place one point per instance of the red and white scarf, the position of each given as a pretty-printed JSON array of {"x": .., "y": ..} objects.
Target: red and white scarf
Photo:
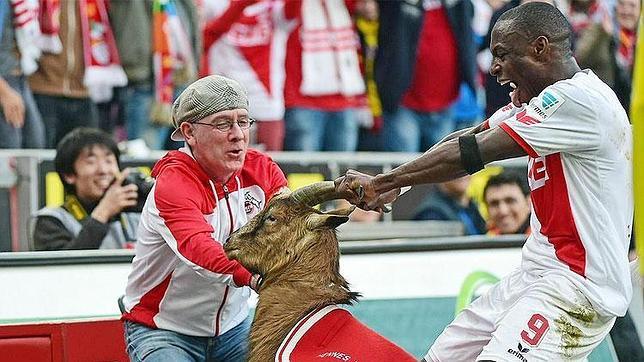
[
  {"x": 625, "y": 54},
  {"x": 329, "y": 50},
  {"x": 103, "y": 69},
  {"x": 172, "y": 58},
  {"x": 27, "y": 32},
  {"x": 49, "y": 26}
]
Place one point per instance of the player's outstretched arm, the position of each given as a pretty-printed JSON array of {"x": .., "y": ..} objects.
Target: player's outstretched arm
[
  {"x": 448, "y": 160},
  {"x": 461, "y": 132}
]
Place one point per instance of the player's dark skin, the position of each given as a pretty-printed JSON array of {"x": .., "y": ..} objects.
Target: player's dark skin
[{"x": 531, "y": 65}]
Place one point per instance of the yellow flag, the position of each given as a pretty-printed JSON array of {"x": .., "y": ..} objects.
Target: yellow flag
[{"x": 637, "y": 117}]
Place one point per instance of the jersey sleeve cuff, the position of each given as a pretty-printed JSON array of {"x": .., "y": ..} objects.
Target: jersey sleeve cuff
[
  {"x": 518, "y": 139},
  {"x": 241, "y": 276}
]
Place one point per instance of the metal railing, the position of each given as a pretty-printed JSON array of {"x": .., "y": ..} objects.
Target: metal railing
[
  {"x": 22, "y": 173},
  {"x": 394, "y": 245}
]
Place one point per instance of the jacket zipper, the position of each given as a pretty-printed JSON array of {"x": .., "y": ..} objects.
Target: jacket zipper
[
  {"x": 230, "y": 212},
  {"x": 223, "y": 301}
]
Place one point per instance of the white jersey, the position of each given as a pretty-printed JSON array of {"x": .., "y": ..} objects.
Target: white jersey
[{"x": 579, "y": 143}]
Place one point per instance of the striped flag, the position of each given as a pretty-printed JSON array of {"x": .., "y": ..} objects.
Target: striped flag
[{"x": 637, "y": 117}]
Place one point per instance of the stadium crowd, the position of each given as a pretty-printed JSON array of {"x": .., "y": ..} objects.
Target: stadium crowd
[
  {"x": 320, "y": 75},
  {"x": 329, "y": 75}
]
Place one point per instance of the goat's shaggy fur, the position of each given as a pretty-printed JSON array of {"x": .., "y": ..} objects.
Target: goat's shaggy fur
[{"x": 295, "y": 248}]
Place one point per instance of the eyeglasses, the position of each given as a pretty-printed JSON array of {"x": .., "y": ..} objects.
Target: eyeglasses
[{"x": 227, "y": 124}]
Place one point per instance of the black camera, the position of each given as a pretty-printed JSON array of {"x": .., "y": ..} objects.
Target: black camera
[{"x": 144, "y": 184}]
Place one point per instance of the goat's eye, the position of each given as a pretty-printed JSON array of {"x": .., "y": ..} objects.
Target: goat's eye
[{"x": 271, "y": 218}]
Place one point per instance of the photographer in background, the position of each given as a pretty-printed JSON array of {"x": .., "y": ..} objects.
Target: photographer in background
[{"x": 99, "y": 211}]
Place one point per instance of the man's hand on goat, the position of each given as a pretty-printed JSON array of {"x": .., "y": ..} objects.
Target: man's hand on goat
[{"x": 364, "y": 195}]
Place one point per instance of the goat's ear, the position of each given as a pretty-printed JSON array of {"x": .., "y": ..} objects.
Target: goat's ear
[
  {"x": 327, "y": 221},
  {"x": 345, "y": 211}
]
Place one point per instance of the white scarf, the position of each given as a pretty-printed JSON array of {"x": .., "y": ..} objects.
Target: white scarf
[
  {"x": 27, "y": 32},
  {"x": 329, "y": 50}
]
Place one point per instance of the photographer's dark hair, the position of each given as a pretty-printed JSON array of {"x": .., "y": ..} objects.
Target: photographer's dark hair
[
  {"x": 508, "y": 178},
  {"x": 71, "y": 146}
]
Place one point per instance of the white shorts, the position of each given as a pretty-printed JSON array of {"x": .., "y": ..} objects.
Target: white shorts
[{"x": 524, "y": 318}]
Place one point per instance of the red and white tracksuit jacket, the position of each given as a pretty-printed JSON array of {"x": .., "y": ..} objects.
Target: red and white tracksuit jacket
[
  {"x": 333, "y": 334},
  {"x": 181, "y": 279}
]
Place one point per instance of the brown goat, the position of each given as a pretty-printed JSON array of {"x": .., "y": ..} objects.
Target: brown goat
[{"x": 295, "y": 249}]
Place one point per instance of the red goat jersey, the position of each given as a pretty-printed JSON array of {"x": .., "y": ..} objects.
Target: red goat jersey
[{"x": 333, "y": 334}]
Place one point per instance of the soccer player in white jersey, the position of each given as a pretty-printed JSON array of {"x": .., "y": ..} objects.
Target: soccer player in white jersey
[{"x": 574, "y": 277}]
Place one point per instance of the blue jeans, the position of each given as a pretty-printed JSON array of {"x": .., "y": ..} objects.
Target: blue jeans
[
  {"x": 314, "y": 130},
  {"x": 62, "y": 114},
  {"x": 160, "y": 345},
  {"x": 32, "y": 132},
  {"x": 406, "y": 130},
  {"x": 138, "y": 102}
]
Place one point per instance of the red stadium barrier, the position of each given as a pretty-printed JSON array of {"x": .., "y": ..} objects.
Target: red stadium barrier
[{"x": 68, "y": 341}]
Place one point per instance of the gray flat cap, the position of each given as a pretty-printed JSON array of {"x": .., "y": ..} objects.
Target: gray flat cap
[{"x": 204, "y": 97}]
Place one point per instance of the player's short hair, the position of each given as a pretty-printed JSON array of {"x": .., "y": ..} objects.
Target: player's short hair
[
  {"x": 507, "y": 178},
  {"x": 536, "y": 19},
  {"x": 71, "y": 146}
]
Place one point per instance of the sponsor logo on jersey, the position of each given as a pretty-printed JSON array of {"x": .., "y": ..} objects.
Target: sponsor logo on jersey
[
  {"x": 548, "y": 100},
  {"x": 545, "y": 106},
  {"x": 540, "y": 109},
  {"x": 518, "y": 353}
]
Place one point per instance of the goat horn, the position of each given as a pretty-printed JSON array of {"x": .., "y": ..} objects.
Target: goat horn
[{"x": 318, "y": 193}]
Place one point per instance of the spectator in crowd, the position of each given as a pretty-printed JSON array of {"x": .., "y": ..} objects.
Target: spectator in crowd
[
  {"x": 426, "y": 50},
  {"x": 155, "y": 75},
  {"x": 69, "y": 80},
  {"x": 622, "y": 48},
  {"x": 369, "y": 136},
  {"x": 324, "y": 88},
  {"x": 246, "y": 41},
  {"x": 449, "y": 201},
  {"x": 507, "y": 197},
  {"x": 182, "y": 289},
  {"x": 94, "y": 213},
  {"x": 20, "y": 122},
  {"x": 593, "y": 27}
]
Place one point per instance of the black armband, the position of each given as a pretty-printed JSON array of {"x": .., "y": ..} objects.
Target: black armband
[{"x": 470, "y": 154}]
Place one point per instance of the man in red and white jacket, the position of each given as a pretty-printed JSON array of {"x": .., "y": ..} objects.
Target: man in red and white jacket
[{"x": 184, "y": 299}]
